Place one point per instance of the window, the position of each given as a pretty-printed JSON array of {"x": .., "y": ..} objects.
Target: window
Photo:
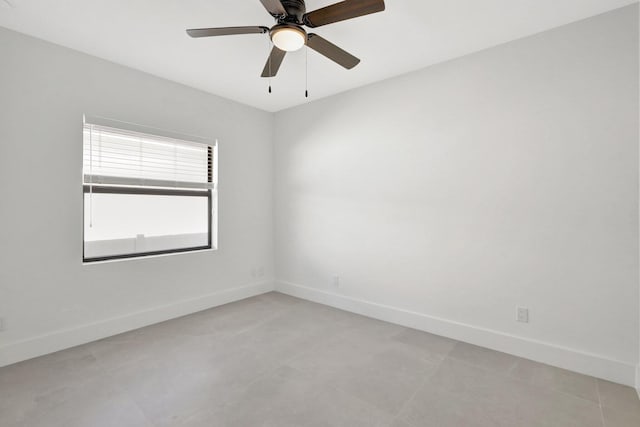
[{"x": 145, "y": 193}]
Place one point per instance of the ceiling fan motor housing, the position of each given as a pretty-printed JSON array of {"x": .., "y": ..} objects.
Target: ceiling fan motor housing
[{"x": 295, "y": 10}]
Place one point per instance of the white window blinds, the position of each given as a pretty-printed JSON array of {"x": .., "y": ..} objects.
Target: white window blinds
[{"x": 114, "y": 156}]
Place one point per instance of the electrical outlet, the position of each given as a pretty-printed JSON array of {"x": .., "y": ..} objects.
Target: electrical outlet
[
  {"x": 522, "y": 314},
  {"x": 335, "y": 281}
]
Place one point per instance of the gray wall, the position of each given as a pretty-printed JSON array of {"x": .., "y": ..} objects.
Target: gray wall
[
  {"x": 44, "y": 288},
  {"x": 504, "y": 178}
]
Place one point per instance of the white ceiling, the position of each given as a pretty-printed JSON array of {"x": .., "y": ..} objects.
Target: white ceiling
[{"x": 149, "y": 35}]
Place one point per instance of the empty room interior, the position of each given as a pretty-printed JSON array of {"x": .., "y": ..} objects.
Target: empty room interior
[{"x": 290, "y": 213}]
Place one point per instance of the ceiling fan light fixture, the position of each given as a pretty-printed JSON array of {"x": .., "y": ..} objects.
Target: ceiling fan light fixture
[
  {"x": 289, "y": 34},
  {"x": 288, "y": 37}
]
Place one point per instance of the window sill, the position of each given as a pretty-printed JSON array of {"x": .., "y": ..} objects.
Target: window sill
[{"x": 143, "y": 257}]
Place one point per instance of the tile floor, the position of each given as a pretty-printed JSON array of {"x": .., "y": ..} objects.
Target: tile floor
[{"x": 277, "y": 361}]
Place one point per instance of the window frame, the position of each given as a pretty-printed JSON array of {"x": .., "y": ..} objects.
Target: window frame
[
  {"x": 104, "y": 189},
  {"x": 210, "y": 192}
]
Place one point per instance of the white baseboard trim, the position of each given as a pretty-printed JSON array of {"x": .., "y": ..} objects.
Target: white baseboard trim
[
  {"x": 67, "y": 338},
  {"x": 575, "y": 360}
]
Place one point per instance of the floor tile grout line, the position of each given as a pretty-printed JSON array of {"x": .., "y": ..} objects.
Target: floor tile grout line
[
  {"x": 389, "y": 338},
  {"x": 427, "y": 376},
  {"x": 136, "y": 339},
  {"x": 359, "y": 399},
  {"x": 600, "y": 403},
  {"x": 284, "y": 364},
  {"x": 601, "y": 416},
  {"x": 274, "y": 364},
  {"x": 142, "y": 411},
  {"x": 243, "y": 388},
  {"x": 506, "y": 376},
  {"x": 409, "y": 400},
  {"x": 261, "y": 322},
  {"x": 415, "y": 393},
  {"x": 611, "y": 408}
]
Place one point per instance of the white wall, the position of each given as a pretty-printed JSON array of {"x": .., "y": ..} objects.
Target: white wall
[
  {"x": 49, "y": 300},
  {"x": 447, "y": 197},
  {"x": 442, "y": 199}
]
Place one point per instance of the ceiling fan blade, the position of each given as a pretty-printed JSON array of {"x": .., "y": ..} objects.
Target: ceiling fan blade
[
  {"x": 344, "y": 10},
  {"x": 225, "y": 31},
  {"x": 274, "y": 7},
  {"x": 273, "y": 62},
  {"x": 331, "y": 51}
]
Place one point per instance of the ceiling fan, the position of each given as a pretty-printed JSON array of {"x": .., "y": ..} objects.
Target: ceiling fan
[{"x": 289, "y": 35}]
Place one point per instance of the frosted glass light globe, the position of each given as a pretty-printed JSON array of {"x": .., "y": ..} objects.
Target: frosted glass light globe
[{"x": 288, "y": 38}]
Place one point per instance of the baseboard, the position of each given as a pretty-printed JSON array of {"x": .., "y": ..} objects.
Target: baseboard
[
  {"x": 63, "y": 339},
  {"x": 575, "y": 360}
]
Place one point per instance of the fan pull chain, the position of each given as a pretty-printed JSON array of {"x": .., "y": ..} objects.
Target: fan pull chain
[
  {"x": 269, "y": 48},
  {"x": 306, "y": 72}
]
